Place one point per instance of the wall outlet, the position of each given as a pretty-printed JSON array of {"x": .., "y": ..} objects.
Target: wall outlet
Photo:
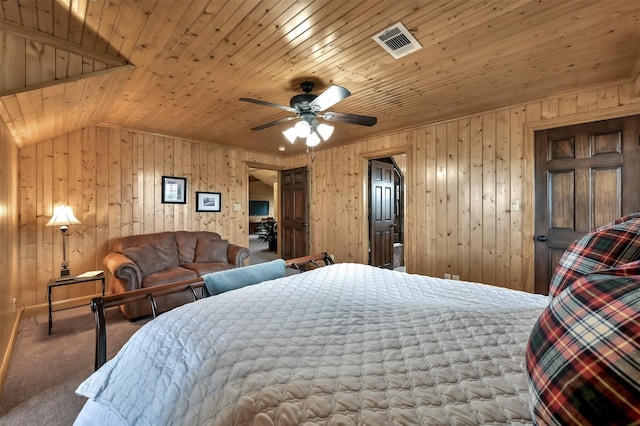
[
  {"x": 237, "y": 207},
  {"x": 455, "y": 277},
  {"x": 447, "y": 276}
]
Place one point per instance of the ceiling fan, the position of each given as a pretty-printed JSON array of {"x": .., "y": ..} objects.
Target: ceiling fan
[{"x": 308, "y": 109}]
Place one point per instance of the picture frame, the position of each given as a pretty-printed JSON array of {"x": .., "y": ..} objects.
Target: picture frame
[
  {"x": 174, "y": 190},
  {"x": 208, "y": 201}
]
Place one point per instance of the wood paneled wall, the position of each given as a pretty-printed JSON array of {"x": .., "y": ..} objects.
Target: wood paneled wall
[
  {"x": 461, "y": 177},
  {"x": 111, "y": 177},
  {"x": 9, "y": 241}
]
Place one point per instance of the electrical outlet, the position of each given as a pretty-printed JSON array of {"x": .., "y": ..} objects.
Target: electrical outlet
[
  {"x": 447, "y": 276},
  {"x": 455, "y": 277}
]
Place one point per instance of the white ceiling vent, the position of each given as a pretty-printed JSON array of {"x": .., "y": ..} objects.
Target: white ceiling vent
[{"x": 397, "y": 40}]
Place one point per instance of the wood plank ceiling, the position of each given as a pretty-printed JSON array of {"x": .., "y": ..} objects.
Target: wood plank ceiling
[{"x": 178, "y": 67}]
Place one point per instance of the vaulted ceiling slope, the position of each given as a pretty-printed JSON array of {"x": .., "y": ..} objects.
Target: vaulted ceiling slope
[{"x": 178, "y": 67}]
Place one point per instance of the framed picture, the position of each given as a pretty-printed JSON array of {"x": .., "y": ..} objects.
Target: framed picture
[
  {"x": 174, "y": 190},
  {"x": 208, "y": 201}
]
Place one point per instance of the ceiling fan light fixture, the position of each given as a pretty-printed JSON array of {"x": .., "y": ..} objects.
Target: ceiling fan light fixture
[
  {"x": 325, "y": 131},
  {"x": 302, "y": 129},
  {"x": 291, "y": 134},
  {"x": 313, "y": 139}
]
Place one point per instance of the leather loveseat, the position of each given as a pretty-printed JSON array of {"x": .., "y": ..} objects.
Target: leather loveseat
[{"x": 141, "y": 261}]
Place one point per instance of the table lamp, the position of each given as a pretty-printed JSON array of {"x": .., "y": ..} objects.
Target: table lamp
[{"x": 63, "y": 217}]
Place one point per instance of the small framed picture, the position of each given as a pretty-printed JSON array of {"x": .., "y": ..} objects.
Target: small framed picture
[
  {"x": 208, "y": 201},
  {"x": 174, "y": 190}
]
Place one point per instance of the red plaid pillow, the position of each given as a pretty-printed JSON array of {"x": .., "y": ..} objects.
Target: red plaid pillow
[
  {"x": 583, "y": 354},
  {"x": 608, "y": 246}
]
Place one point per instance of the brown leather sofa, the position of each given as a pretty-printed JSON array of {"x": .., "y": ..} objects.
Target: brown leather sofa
[{"x": 140, "y": 261}]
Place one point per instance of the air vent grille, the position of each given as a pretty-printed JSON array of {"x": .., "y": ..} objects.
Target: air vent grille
[{"x": 397, "y": 40}]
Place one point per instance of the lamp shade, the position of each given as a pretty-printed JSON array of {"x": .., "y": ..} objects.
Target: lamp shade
[{"x": 62, "y": 216}]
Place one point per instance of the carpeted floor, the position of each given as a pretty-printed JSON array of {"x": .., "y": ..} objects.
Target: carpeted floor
[
  {"x": 46, "y": 369},
  {"x": 259, "y": 251}
]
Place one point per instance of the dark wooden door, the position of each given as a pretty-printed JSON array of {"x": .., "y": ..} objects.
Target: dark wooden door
[
  {"x": 586, "y": 176},
  {"x": 293, "y": 230},
  {"x": 382, "y": 213}
]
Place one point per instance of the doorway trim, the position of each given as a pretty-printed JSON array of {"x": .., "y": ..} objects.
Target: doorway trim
[
  {"x": 246, "y": 165},
  {"x": 364, "y": 196},
  {"x": 529, "y": 182}
]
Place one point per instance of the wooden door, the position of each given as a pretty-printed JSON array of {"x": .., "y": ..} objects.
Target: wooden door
[
  {"x": 586, "y": 176},
  {"x": 293, "y": 230},
  {"x": 382, "y": 213}
]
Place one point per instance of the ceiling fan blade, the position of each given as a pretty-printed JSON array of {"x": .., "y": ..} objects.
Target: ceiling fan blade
[
  {"x": 269, "y": 104},
  {"x": 343, "y": 117},
  {"x": 329, "y": 97},
  {"x": 273, "y": 123}
]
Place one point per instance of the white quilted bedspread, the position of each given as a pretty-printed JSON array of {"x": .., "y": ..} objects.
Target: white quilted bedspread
[{"x": 346, "y": 344}]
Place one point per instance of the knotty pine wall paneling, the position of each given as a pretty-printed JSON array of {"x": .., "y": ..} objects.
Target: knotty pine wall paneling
[
  {"x": 461, "y": 176},
  {"x": 9, "y": 243},
  {"x": 461, "y": 179},
  {"x": 111, "y": 177}
]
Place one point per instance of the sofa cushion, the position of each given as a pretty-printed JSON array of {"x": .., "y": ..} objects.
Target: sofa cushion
[
  {"x": 608, "y": 246},
  {"x": 163, "y": 242},
  {"x": 187, "y": 242},
  {"x": 167, "y": 276},
  {"x": 232, "y": 279},
  {"x": 583, "y": 354},
  {"x": 146, "y": 257},
  {"x": 207, "y": 268},
  {"x": 211, "y": 250}
]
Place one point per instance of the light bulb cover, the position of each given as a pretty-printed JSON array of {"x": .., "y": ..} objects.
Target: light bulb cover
[
  {"x": 313, "y": 139},
  {"x": 302, "y": 128},
  {"x": 325, "y": 131},
  {"x": 291, "y": 134}
]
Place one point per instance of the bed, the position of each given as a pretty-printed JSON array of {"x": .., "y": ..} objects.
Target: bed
[{"x": 342, "y": 344}]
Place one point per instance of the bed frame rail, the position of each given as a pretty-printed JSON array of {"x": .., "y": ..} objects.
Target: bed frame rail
[
  {"x": 300, "y": 263},
  {"x": 99, "y": 304}
]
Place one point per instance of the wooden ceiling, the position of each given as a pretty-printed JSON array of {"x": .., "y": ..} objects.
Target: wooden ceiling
[{"x": 177, "y": 68}]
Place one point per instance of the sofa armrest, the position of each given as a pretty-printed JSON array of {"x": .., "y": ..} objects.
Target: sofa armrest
[
  {"x": 237, "y": 254},
  {"x": 124, "y": 270}
]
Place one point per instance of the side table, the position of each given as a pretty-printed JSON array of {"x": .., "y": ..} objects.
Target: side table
[{"x": 82, "y": 278}]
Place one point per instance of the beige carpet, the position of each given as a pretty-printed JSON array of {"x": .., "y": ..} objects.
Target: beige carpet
[
  {"x": 46, "y": 369},
  {"x": 260, "y": 251}
]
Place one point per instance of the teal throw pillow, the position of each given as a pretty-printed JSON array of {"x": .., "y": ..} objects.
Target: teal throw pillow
[{"x": 232, "y": 279}]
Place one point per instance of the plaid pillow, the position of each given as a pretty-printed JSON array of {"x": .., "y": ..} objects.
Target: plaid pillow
[
  {"x": 610, "y": 245},
  {"x": 583, "y": 355}
]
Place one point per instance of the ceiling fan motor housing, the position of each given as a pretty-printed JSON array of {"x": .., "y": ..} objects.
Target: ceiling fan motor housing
[{"x": 301, "y": 102}]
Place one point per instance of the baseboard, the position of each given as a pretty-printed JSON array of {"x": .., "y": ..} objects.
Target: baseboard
[
  {"x": 6, "y": 359},
  {"x": 43, "y": 308}
]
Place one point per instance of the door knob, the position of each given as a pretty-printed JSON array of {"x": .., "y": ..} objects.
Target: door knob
[{"x": 542, "y": 238}]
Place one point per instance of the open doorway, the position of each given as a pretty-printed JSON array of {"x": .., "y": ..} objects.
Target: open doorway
[
  {"x": 386, "y": 211},
  {"x": 263, "y": 214}
]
